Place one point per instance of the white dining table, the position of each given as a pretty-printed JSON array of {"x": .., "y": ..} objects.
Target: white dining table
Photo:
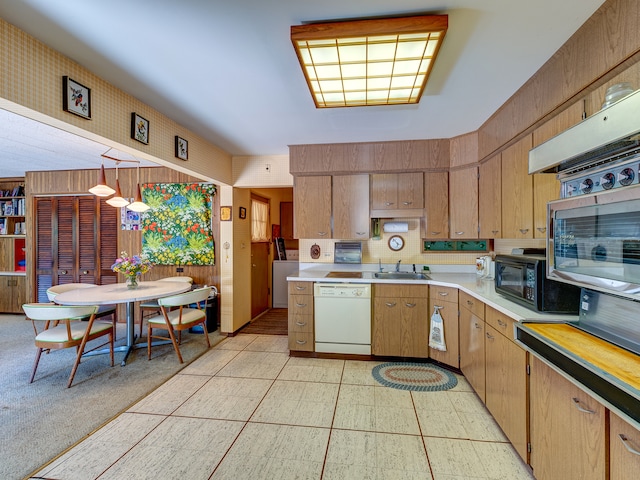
[{"x": 120, "y": 293}]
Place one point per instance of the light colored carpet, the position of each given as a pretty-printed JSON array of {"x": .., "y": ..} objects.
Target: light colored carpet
[{"x": 39, "y": 421}]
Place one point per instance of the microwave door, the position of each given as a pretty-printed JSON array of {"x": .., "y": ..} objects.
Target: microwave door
[{"x": 510, "y": 278}]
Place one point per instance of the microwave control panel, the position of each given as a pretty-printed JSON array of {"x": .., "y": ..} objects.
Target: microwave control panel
[
  {"x": 530, "y": 283},
  {"x": 601, "y": 180}
]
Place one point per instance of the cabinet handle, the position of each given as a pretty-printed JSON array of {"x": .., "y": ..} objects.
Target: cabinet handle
[
  {"x": 542, "y": 229},
  {"x": 393, "y": 304},
  {"x": 524, "y": 230},
  {"x": 625, "y": 442},
  {"x": 410, "y": 305},
  {"x": 477, "y": 325},
  {"x": 85, "y": 272},
  {"x": 388, "y": 204},
  {"x": 489, "y": 336},
  {"x": 435, "y": 233},
  {"x": 443, "y": 294},
  {"x": 576, "y": 402},
  {"x": 407, "y": 203},
  {"x": 63, "y": 272},
  {"x": 439, "y": 307},
  {"x": 301, "y": 342},
  {"x": 301, "y": 305},
  {"x": 361, "y": 233},
  {"x": 469, "y": 302},
  {"x": 495, "y": 232},
  {"x": 501, "y": 323},
  {"x": 301, "y": 324},
  {"x": 300, "y": 288},
  {"x": 459, "y": 233},
  {"x": 322, "y": 234}
]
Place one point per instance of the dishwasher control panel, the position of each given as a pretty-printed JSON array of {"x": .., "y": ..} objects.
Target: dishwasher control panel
[{"x": 342, "y": 290}]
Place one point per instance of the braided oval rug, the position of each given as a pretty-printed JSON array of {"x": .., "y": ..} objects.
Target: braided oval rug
[{"x": 419, "y": 377}]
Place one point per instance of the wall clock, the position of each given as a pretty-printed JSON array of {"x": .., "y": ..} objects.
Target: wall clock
[{"x": 396, "y": 243}]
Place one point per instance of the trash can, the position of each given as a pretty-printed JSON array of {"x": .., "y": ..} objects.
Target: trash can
[{"x": 212, "y": 313}]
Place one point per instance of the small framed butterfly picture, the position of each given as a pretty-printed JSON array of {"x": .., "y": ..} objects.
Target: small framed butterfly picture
[{"x": 76, "y": 98}]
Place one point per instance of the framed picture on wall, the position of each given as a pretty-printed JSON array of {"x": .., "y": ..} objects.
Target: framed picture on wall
[
  {"x": 76, "y": 98},
  {"x": 243, "y": 212},
  {"x": 182, "y": 148},
  {"x": 139, "y": 128}
]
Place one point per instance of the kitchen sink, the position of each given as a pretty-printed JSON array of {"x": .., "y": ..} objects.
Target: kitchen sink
[{"x": 400, "y": 276}]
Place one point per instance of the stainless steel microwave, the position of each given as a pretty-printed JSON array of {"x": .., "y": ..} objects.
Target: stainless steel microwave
[
  {"x": 593, "y": 241},
  {"x": 522, "y": 279}
]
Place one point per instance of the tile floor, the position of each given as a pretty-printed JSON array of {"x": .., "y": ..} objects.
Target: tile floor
[{"x": 246, "y": 410}]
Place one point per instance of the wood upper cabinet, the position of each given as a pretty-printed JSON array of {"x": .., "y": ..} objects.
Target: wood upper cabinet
[
  {"x": 397, "y": 191},
  {"x": 472, "y": 331},
  {"x": 447, "y": 299},
  {"x": 312, "y": 207},
  {"x": 506, "y": 379},
  {"x": 568, "y": 428},
  {"x": 624, "y": 449},
  {"x": 517, "y": 191},
  {"x": 490, "y": 198},
  {"x": 435, "y": 223},
  {"x": 351, "y": 207},
  {"x": 400, "y": 321},
  {"x": 463, "y": 203},
  {"x": 546, "y": 187}
]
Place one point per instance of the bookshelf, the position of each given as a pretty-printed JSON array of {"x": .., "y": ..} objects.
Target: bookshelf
[{"x": 12, "y": 245}]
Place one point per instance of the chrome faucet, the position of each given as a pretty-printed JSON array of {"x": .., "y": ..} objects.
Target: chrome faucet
[
  {"x": 380, "y": 265},
  {"x": 398, "y": 266}
]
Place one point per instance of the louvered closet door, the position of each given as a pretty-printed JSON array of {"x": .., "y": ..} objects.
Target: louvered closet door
[{"x": 76, "y": 241}]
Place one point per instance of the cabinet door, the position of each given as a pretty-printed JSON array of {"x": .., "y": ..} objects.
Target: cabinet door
[
  {"x": 6, "y": 254},
  {"x": 546, "y": 187},
  {"x": 624, "y": 450},
  {"x": 351, "y": 207},
  {"x": 384, "y": 191},
  {"x": 463, "y": 203},
  {"x": 568, "y": 428},
  {"x": 312, "y": 207},
  {"x": 410, "y": 190},
  {"x": 517, "y": 191},
  {"x": 400, "y": 327},
  {"x": 506, "y": 386},
  {"x": 436, "y": 205},
  {"x": 13, "y": 290},
  {"x": 472, "y": 350},
  {"x": 447, "y": 299},
  {"x": 490, "y": 198}
]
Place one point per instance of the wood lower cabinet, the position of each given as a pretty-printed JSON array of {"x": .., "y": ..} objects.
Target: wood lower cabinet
[
  {"x": 568, "y": 428},
  {"x": 13, "y": 293},
  {"x": 400, "y": 320},
  {"x": 506, "y": 379},
  {"x": 312, "y": 207},
  {"x": 351, "y": 207},
  {"x": 447, "y": 299},
  {"x": 472, "y": 331},
  {"x": 624, "y": 450},
  {"x": 301, "y": 325}
]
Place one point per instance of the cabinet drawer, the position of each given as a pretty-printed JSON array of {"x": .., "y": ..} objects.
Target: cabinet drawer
[
  {"x": 300, "y": 288},
  {"x": 472, "y": 304},
  {"x": 300, "y": 323},
  {"x": 300, "y": 305},
  {"x": 443, "y": 294},
  {"x": 301, "y": 341},
  {"x": 388, "y": 290},
  {"x": 500, "y": 322}
]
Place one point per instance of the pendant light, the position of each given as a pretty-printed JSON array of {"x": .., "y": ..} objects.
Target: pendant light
[
  {"x": 102, "y": 189},
  {"x": 138, "y": 205},
  {"x": 117, "y": 200}
]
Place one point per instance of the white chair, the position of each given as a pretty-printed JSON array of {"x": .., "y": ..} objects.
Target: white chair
[
  {"x": 187, "y": 312},
  {"x": 103, "y": 310},
  {"x": 64, "y": 328},
  {"x": 153, "y": 304}
]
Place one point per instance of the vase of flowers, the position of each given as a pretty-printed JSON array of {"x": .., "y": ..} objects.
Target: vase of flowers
[{"x": 131, "y": 268}]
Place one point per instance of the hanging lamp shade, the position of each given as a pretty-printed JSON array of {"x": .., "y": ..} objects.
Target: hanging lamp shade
[
  {"x": 117, "y": 200},
  {"x": 138, "y": 205},
  {"x": 102, "y": 189}
]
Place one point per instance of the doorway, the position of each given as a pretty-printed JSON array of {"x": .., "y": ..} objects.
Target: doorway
[{"x": 260, "y": 245}]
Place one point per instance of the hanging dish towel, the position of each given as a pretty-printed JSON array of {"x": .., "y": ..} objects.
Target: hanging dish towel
[{"x": 436, "y": 332}]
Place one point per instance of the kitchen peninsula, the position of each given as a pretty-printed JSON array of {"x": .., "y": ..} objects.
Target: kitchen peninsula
[{"x": 513, "y": 380}]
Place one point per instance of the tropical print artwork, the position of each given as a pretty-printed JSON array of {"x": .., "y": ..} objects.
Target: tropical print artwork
[{"x": 176, "y": 230}]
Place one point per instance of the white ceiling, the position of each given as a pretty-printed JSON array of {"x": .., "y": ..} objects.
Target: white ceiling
[{"x": 227, "y": 71}]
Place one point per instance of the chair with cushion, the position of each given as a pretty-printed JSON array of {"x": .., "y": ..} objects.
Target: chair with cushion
[
  {"x": 103, "y": 310},
  {"x": 152, "y": 305},
  {"x": 64, "y": 328},
  {"x": 179, "y": 312}
]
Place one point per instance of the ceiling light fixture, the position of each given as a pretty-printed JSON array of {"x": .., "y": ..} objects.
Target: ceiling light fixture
[
  {"x": 384, "y": 61},
  {"x": 117, "y": 200},
  {"x": 138, "y": 205},
  {"x": 102, "y": 189}
]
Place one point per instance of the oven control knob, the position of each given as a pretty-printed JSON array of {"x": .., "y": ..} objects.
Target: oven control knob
[
  {"x": 586, "y": 185},
  {"x": 570, "y": 189},
  {"x": 626, "y": 176},
  {"x": 608, "y": 180}
]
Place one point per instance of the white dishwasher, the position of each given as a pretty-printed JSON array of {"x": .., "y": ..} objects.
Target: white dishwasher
[{"x": 342, "y": 317}]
